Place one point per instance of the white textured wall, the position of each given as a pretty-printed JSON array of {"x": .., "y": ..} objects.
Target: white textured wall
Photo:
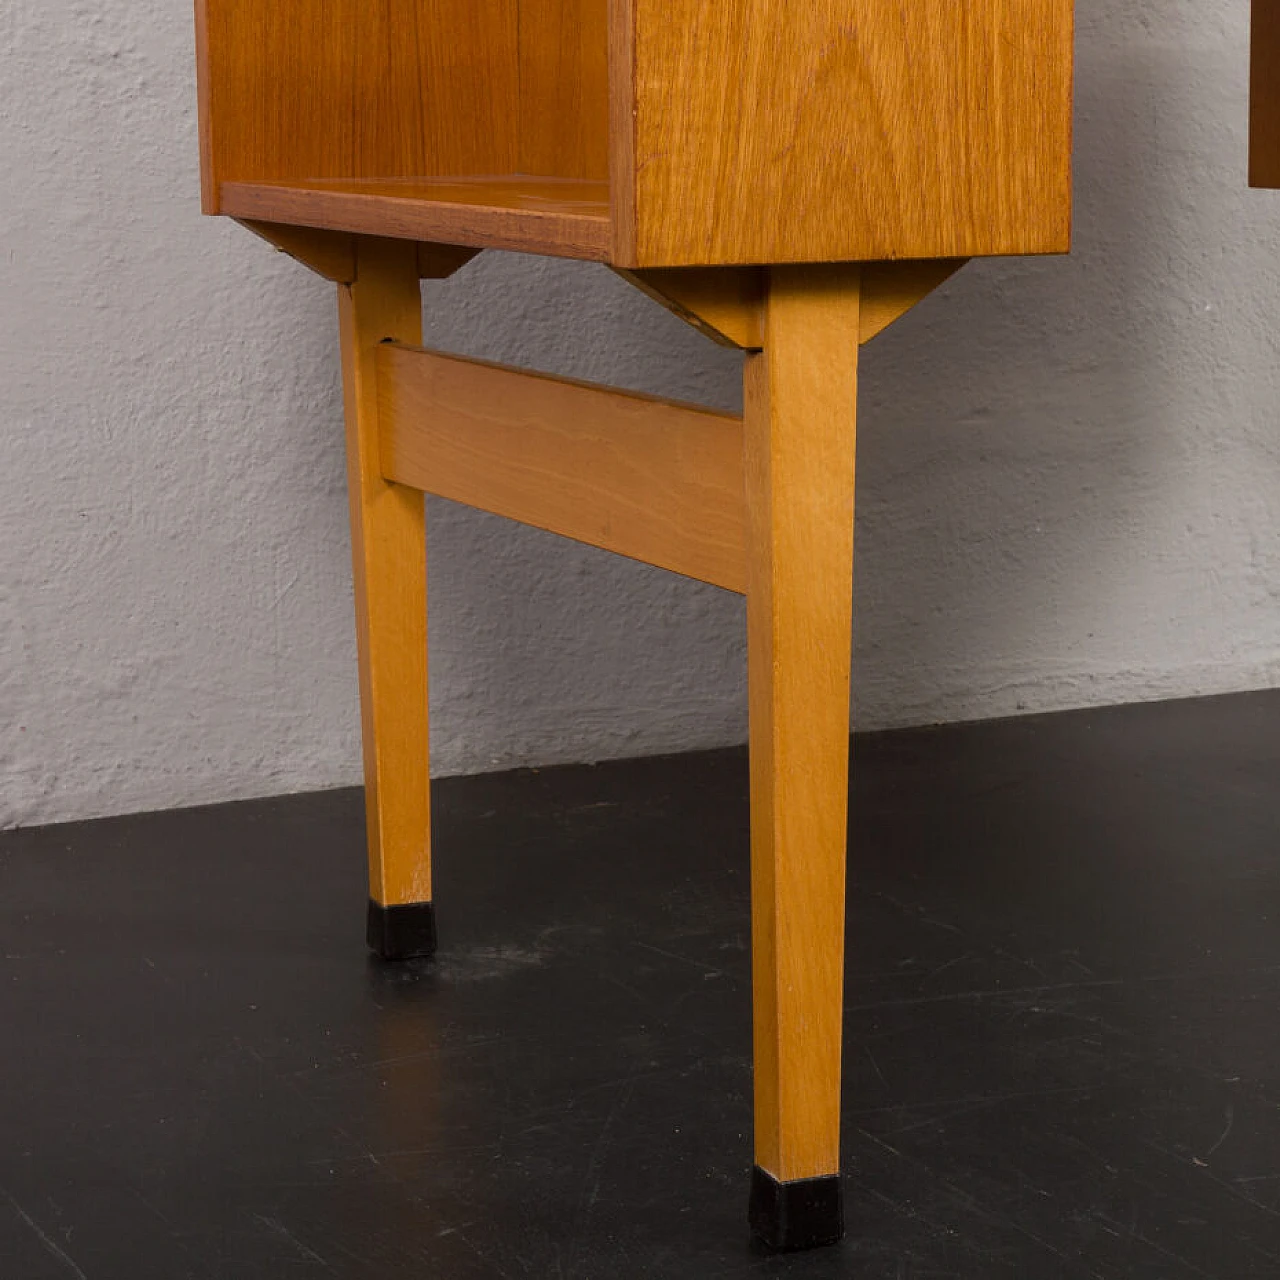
[{"x": 1069, "y": 485}]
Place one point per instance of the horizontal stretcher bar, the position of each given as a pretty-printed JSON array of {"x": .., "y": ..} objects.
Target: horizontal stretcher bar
[{"x": 651, "y": 479}]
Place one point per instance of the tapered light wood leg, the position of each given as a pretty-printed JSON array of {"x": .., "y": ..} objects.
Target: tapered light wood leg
[
  {"x": 801, "y": 393},
  {"x": 388, "y": 546}
]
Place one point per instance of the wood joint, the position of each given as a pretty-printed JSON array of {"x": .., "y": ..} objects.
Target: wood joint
[
  {"x": 891, "y": 289},
  {"x": 727, "y": 303},
  {"x": 333, "y": 254}
]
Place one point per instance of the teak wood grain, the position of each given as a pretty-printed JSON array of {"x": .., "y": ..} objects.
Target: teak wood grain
[
  {"x": 727, "y": 303},
  {"x": 1264, "y": 95},
  {"x": 800, "y": 426},
  {"x": 339, "y": 89},
  {"x": 891, "y": 289},
  {"x": 347, "y": 89},
  {"x": 564, "y": 88},
  {"x": 388, "y": 549},
  {"x": 331, "y": 254},
  {"x": 814, "y": 130},
  {"x": 560, "y": 217},
  {"x": 743, "y": 132},
  {"x": 646, "y": 478}
]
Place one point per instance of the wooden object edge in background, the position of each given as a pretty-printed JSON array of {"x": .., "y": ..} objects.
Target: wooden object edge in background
[
  {"x": 1264, "y": 94},
  {"x": 204, "y": 111}
]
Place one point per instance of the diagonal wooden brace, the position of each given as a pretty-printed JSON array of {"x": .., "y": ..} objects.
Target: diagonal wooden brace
[{"x": 727, "y": 304}]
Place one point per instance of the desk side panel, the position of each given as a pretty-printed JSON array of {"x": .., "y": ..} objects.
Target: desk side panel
[
  {"x": 356, "y": 89},
  {"x": 815, "y": 130}
]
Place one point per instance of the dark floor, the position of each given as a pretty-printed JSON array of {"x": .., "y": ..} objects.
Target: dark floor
[{"x": 1062, "y": 1037}]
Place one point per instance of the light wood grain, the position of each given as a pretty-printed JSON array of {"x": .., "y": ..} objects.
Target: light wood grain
[
  {"x": 1264, "y": 95},
  {"x": 810, "y": 130},
  {"x": 891, "y": 289},
  {"x": 331, "y": 254},
  {"x": 727, "y": 303},
  {"x": 801, "y": 401},
  {"x": 646, "y": 478},
  {"x": 744, "y": 132},
  {"x": 561, "y": 218},
  {"x": 440, "y": 261},
  {"x": 388, "y": 550}
]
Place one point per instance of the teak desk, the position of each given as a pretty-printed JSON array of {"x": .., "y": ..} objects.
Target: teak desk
[{"x": 789, "y": 176}]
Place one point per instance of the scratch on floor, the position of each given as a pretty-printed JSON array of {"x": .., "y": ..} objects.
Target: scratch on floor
[
  {"x": 595, "y": 1165},
  {"x": 880, "y": 1142},
  {"x": 480, "y": 964},
  {"x": 50, "y": 1245},
  {"x": 1231, "y": 1119},
  {"x": 948, "y": 964},
  {"x": 1228, "y": 1185},
  {"x": 275, "y": 1225},
  {"x": 671, "y": 955},
  {"x": 1020, "y": 960},
  {"x": 875, "y": 1066},
  {"x": 1073, "y": 957},
  {"x": 992, "y": 993},
  {"x": 501, "y": 1272},
  {"x": 1012, "y": 1095},
  {"x": 946, "y": 1117},
  {"x": 940, "y": 924},
  {"x": 1135, "y": 1234}
]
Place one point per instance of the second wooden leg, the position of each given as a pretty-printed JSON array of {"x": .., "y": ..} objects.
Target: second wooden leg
[
  {"x": 801, "y": 393},
  {"x": 389, "y": 555}
]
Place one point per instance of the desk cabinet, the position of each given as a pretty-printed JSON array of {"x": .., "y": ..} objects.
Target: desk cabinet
[
  {"x": 789, "y": 176},
  {"x": 648, "y": 133}
]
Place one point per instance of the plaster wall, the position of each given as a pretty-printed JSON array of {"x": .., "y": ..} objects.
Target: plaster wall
[{"x": 1069, "y": 470}]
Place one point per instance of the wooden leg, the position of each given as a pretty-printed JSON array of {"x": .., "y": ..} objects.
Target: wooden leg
[
  {"x": 388, "y": 546},
  {"x": 801, "y": 394}
]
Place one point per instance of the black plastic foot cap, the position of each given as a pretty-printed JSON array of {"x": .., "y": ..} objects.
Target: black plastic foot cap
[
  {"x": 796, "y": 1215},
  {"x": 403, "y": 932}
]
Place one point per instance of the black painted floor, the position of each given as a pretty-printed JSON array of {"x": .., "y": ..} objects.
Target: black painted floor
[{"x": 1062, "y": 1036}]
